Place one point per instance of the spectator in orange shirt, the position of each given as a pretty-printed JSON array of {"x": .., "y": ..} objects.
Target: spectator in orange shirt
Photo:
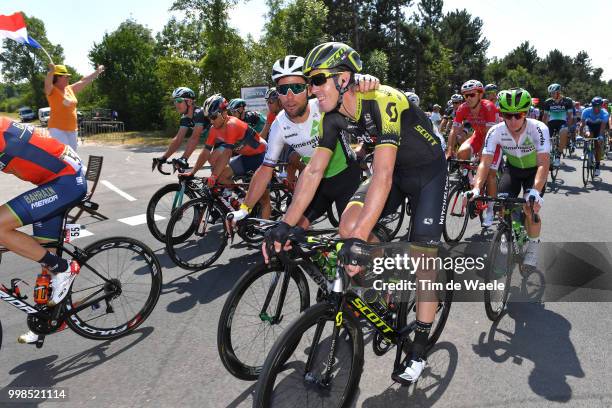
[{"x": 63, "y": 102}]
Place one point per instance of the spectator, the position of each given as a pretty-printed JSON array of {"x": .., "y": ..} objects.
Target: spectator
[
  {"x": 62, "y": 100},
  {"x": 274, "y": 107}
]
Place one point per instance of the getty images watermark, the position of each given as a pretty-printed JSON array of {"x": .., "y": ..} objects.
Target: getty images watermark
[{"x": 405, "y": 263}]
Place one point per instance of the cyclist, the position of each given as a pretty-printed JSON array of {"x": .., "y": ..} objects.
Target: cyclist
[
  {"x": 413, "y": 98},
  {"x": 594, "y": 121},
  {"x": 237, "y": 108},
  {"x": 56, "y": 171},
  {"x": 192, "y": 119},
  {"x": 491, "y": 93},
  {"x": 482, "y": 115},
  {"x": 408, "y": 161},
  {"x": 526, "y": 144},
  {"x": 274, "y": 107},
  {"x": 229, "y": 135},
  {"x": 558, "y": 115},
  {"x": 452, "y": 106},
  {"x": 577, "y": 114},
  {"x": 534, "y": 112}
]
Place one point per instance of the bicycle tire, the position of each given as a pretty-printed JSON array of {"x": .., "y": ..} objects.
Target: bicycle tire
[
  {"x": 233, "y": 361},
  {"x": 158, "y": 227},
  {"x": 455, "y": 199},
  {"x": 183, "y": 253},
  {"x": 494, "y": 272},
  {"x": 585, "y": 169},
  {"x": 148, "y": 265},
  {"x": 0, "y": 335},
  {"x": 290, "y": 340}
]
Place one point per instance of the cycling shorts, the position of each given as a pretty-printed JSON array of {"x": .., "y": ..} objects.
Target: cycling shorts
[
  {"x": 426, "y": 188},
  {"x": 476, "y": 144},
  {"x": 45, "y": 205},
  {"x": 336, "y": 190},
  {"x": 514, "y": 179},
  {"x": 594, "y": 130},
  {"x": 556, "y": 126},
  {"x": 242, "y": 164}
]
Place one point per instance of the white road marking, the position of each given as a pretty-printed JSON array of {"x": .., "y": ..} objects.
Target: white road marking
[
  {"x": 118, "y": 191},
  {"x": 138, "y": 219},
  {"x": 84, "y": 233}
]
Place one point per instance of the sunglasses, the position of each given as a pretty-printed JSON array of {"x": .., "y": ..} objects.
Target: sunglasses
[
  {"x": 295, "y": 89},
  {"x": 509, "y": 116},
  {"x": 456, "y": 103},
  {"x": 470, "y": 95},
  {"x": 271, "y": 100},
  {"x": 213, "y": 116},
  {"x": 179, "y": 100},
  {"x": 321, "y": 79}
]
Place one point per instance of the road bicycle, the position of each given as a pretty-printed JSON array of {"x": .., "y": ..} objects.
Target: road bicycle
[
  {"x": 506, "y": 252},
  {"x": 554, "y": 153},
  {"x": 116, "y": 290},
  {"x": 318, "y": 359},
  {"x": 588, "y": 160}
]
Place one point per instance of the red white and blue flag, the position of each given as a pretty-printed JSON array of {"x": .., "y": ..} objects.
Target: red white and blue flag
[{"x": 14, "y": 27}]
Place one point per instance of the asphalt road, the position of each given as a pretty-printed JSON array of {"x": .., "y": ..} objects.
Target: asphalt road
[{"x": 540, "y": 354}]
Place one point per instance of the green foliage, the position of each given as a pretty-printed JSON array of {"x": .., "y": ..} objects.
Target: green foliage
[
  {"x": 130, "y": 81},
  {"x": 377, "y": 64}
]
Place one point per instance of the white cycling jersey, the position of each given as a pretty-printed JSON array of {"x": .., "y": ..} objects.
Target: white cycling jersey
[
  {"x": 523, "y": 155},
  {"x": 302, "y": 137}
]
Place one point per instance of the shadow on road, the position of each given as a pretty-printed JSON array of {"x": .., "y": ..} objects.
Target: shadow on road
[
  {"x": 211, "y": 283},
  {"x": 48, "y": 372},
  {"x": 541, "y": 336}
]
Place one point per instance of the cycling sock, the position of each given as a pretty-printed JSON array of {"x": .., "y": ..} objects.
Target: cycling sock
[
  {"x": 534, "y": 239},
  {"x": 54, "y": 263},
  {"x": 421, "y": 335}
]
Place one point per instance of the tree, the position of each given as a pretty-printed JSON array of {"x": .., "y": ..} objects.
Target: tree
[
  {"x": 377, "y": 64},
  {"x": 130, "y": 81},
  {"x": 22, "y": 63},
  {"x": 525, "y": 55},
  {"x": 430, "y": 13}
]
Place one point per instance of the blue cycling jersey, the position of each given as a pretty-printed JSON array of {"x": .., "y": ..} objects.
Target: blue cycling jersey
[{"x": 589, "y": 115}]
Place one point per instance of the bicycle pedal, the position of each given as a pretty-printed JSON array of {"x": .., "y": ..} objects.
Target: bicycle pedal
[{"x": 40, "y": 342}]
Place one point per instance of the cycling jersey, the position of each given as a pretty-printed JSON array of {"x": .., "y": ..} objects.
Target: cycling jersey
[
  {"x": 238, "y": 136},
  {"x": 197, "y": 120},
  {"x": 450, "y": 112},
  {"x": 558, "y": 110},
  {"x": 33, "y": 157},
  {"x": 255, "y": 120},
  {"x": 302, "y": 137},
  {"x": 486, "y": 117},
  {"x": 522, "y": 154},
  {"x": 589, "y": 116},
  {"x": 386, "y": 116},
  {"x": 534, "y": 113}
]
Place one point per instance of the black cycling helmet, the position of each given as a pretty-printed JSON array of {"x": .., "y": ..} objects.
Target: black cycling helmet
[
  {"x": 490, "y": 88},
  {"x": 333, "y": 56},
  {"x": 597, "y": 101},
  {"x": 183, "y": 92},
  {"x": 271, "y": 93},
  {"x": 214, "y": 104}
]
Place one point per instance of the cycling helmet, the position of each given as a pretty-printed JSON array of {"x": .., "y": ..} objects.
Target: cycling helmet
[
  {"x": 514, "y": 100},
  {"x": 490, "y": 88},
  {"x": 214, "y": 104},
  {"x": 552, "y": 88},
  {"x": 597, "y": 101},
  {"x": 605, "y": 101},
  {"x": 236, "y": 103},
  {"x": 413, "y": 98},
  {"x": 271, "y": 93},
  {"x": 334, "y": 56},
  {"x": 289, "y": 66},
  {"x": 456, "y": 98},
  {"x": 472, "y": 85},
  {"x": 183, "y": 92}
]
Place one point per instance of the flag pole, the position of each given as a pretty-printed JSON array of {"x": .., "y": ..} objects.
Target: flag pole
[{"x": 47, "y": 54}]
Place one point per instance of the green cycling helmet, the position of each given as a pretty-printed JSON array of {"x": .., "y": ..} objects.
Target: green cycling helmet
[
  {"x": 334, "y": 56},
  {"x": 514, "y": 100}
]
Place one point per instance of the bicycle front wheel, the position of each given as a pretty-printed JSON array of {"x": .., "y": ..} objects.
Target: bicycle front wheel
[
  {"x": 498, "y": 272},
  {"x": 161, "y": 206},
  {"x": 204, "y": 219},
  {"x": 585, "y": 169},
  {"x": 125, "y": 268},
  {"x": 249, "y": 323},
  {"x": 294, "y": 371}
]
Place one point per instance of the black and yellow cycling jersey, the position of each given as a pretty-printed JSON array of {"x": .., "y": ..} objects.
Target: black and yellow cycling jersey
[{"x": 387, "y": 117}]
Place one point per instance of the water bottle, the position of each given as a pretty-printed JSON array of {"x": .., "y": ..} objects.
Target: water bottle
[{"x": 41, "y": 288}]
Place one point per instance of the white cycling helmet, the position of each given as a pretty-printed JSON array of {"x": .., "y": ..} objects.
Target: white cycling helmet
[
  {"x": 183, "y": 92},
  {"x": 456, "y": 98},
  {"x": 472, "y": 85},
  {"x": 413, "y": 98},
  {"x": 291, "y": 65}
]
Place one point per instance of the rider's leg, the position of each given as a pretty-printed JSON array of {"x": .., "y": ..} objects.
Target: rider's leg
[
  {"x": 17, "y": 241},
  {"x": 563, "y": 136}
]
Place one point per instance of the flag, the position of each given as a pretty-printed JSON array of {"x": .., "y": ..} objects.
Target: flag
[{"x": 14, "y": 27}]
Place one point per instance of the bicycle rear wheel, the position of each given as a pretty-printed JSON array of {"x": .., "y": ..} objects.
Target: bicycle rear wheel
[
  {"x": 585, "y": 169},
  {"x": 208, "y": 238},
  {"x": 246, "y": 330},
  {"x": 284, "y": 381},
  {"x": 456, "y": 218},
  {"x": 160, "y": 209},
  {"x": 121, "y": 266},
  {"x": 498, "y": 271}
]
